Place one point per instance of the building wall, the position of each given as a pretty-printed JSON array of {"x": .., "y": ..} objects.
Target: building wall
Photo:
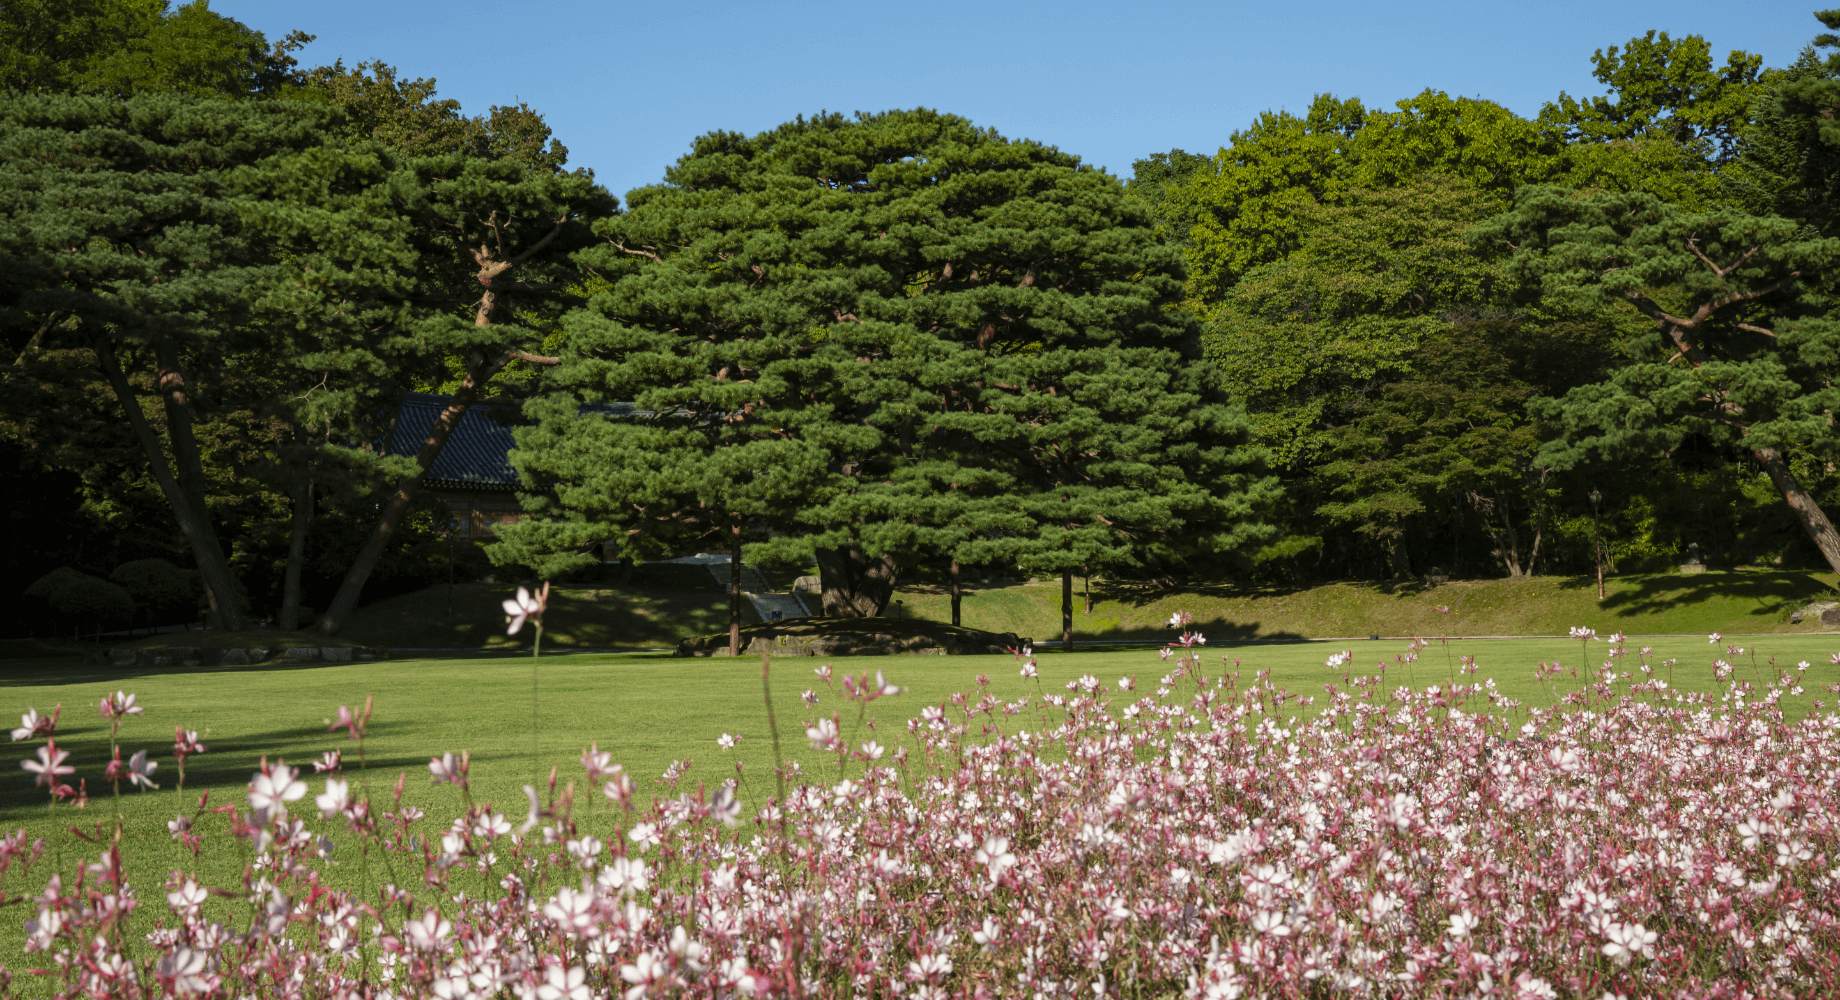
[{"x": 479, "y": 516}]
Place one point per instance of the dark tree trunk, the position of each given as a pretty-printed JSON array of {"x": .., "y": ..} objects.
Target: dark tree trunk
[
  {"x": 1067, "y": 610},
  {"x": 957, "y": 593},
  {"x": 212, "y": 565},
  {"x": 297, "y": 554},
  {"x": 854, "y": 585},
  {"x": 399, "y": 501},
  {"x": 1812, "y": 518},
  {"x": 734, "y": 592},
  {"x": 1401, "y": 557}
]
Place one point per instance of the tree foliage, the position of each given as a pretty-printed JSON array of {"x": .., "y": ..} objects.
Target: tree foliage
[
  {"x": 897, "y": 335},
  {"x": 1743, "y": 352},
  {"x": 125, "y": 47}
]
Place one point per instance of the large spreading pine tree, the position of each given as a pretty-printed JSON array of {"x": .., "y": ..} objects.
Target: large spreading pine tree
[{"x": 885, "y": 339}]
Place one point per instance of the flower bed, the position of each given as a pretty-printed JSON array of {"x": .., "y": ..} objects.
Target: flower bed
[{"x": 1201, "y": 839}]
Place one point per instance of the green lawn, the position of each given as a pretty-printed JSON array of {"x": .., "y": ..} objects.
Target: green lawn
[
  {"x": 646, "y": 710},
  {"x": 1748, "y": 600}
]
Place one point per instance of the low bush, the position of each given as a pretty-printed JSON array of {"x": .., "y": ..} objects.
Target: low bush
[{"x": 1209, "y": 837}]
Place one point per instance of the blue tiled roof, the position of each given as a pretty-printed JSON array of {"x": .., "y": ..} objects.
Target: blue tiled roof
[{"x": 474, "y": 456}]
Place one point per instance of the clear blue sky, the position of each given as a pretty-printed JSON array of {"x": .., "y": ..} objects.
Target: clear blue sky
[{"x": 626, "y": 86}]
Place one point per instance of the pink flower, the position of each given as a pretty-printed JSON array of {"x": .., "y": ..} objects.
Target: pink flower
[
  {"x": 118, "y": 705},
  {"x": 185, "y": 742},
  {"x": 448, "y": 769},
  {"x": 50, "y": 764},
  {"x": 328, "y": 762},
  {"x": 32, "y": 726}
]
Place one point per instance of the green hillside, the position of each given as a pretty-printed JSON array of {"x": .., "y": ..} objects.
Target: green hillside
[{"x": 1737, "y": 602}]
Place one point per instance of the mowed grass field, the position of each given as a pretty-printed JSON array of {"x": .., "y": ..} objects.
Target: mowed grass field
[{"x": 518, "y": 719}]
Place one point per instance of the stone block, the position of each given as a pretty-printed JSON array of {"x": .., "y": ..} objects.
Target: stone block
[
  {"x": 300, "y": 654},
  {"x": 122, "y": 657},
  {"x": 235, "y": 657},
  {"x": 335, "y": 654}
]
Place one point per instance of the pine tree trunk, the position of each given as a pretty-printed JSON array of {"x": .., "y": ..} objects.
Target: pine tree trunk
[
  {"x": 1401, "y": 557},
  {"x": 734, "y": 593},
  {"x": 399, "y": 501},
  {"x": 169, "y": 378},
  {"x": 297, "y": 554},
  {"x": 1813, "y": 519},
  {"x": 1067, "y": 610},
  {"x": 855, "y": 585},
  {"x": 212, "y": 565},
  {"x": 957, "y": 593}
]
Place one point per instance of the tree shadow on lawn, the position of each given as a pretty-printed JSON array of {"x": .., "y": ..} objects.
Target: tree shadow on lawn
[
  {"x": 72, "y": 670},
  {"x": 229, "y": 763},
  {"x": 1650, "y": 595}
]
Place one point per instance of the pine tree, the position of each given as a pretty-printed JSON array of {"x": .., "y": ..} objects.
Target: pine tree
[{"x": 885, "y": 339}]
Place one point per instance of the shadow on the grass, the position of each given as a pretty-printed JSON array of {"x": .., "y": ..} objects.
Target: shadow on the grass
[{"x": 1654, "y": 594}]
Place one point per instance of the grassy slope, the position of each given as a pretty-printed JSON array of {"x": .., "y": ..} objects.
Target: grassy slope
[
  {"x": 1733, "y": 602},
  {"x": 647, "y": 711}
]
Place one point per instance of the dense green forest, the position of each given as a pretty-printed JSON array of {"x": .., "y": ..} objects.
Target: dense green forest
[{"x": 1355, "y": 343}]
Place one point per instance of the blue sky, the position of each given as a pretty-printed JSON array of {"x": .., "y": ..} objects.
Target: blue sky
[{"x": 626, "y": 86}]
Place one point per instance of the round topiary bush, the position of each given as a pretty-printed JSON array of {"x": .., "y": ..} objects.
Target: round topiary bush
[
  {"x": 163, "y": 590},
  {"x": 83, "y": 600}
]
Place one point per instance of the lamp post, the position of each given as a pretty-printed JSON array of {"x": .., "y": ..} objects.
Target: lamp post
[{"x": 1597, "y": 544}]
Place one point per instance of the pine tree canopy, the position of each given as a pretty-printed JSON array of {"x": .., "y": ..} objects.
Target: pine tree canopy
[{"x": 897, "y": 337}]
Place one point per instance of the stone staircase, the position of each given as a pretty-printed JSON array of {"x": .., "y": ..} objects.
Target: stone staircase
[{"x": 768, "y": 605}]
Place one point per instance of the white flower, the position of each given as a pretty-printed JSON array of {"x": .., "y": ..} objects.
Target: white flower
[
  {"x": 519, "y": 608},
  {"x": 823, "y": 736},
  {"x": 1627, "y": 941},
  {"x": 873, "y": 750},
  {"x": 1462, "y": 923},
  {"x": 645, "y": 835},
  {"x": 987, "y": 935},
  {"x": 644, "y": 970},
  {"x": 429, "y": 933},
  {"x": 573, "y": 912},
  {"x": 995, "y": 856},
  {"x": 336, "y": 797},
  {"x": 561, "y": 982},
  {"x": 187, "y": 898},
  {"x": 272, "y": 789},
  {"x": 726, "y": 741}
]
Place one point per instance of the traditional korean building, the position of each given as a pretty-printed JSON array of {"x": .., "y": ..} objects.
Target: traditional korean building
[{"x": 472, "y": 477}]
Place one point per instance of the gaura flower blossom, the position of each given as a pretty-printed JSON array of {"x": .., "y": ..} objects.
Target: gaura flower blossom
[
  {"x": 119, "y": 705},
  {"x": 1181, "y": 619},
  {"x": 995, "y": 856},
  {"x": 727, "y": 742},
  {"x": 447, "y": 769},
  {"x": 32, "y": 725},
  {"x": 334, "y": 799},
  {"x": 185, "y": 743},
  {"x": 140, "y": 770},
  {"x": 50, "y": 764},
  {"x": 275, "y": 786},
  {"x": 1626, "y": 941},
  {"x": 525, "y": 606}
]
